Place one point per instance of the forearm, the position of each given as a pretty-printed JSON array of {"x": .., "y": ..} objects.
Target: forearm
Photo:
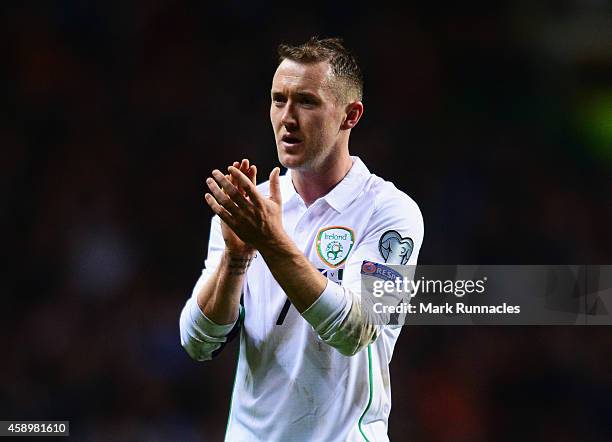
[
  {"x": 299, "y": 279},
  {"x": 339, "y": 318},
  {"x": 219, "y": 297},
  {"x": 258, "y": 222}
]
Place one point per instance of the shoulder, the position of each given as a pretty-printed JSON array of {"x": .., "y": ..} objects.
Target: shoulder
[{"x": 392, "y": 204}]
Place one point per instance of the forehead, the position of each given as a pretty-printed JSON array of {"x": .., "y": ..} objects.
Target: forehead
[{"x": 291, "y": 75}]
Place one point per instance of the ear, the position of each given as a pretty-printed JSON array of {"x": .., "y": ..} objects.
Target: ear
[{"x": 354, "y": 111}]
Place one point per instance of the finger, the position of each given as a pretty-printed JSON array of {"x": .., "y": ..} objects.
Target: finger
[
  {"x": 244, "y": 168},
  {"x": 252, "y": 174},
  {"x": 234, "y": 194},
  {"x": 220, "y": 196},
  {"x": 219, "y": 209},
  {"x": 240, "y": 190},
  {"x": 235, "y": 164},
  {"x": 247, "y": 185},
  {"x": 223, "y": 197},
  {"x": 244, "y": 165},
  {"x": 275, "y": 192}
]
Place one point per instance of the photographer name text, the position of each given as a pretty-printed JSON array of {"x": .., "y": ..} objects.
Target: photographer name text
[{"x": 446, "y": 309}]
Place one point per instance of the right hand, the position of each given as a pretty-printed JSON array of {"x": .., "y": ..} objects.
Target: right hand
[{"x": 233, "y": 244}]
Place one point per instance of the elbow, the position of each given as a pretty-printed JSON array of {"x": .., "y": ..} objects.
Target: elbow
[
  {"x": 191, "y": 349},
  {"x": 198, "y": 352},
  {"x": 190, "y": 341},
  {"x": 349, "y": 352},
  {"x": 197, "y": 349},
  {"x": 354, "y": 333},
  {"x": 355, "y": 348},
  {"x": 191, "y": 352},
  {"x": 199, "y": 346},
  {"x": 351, "y": 344}
]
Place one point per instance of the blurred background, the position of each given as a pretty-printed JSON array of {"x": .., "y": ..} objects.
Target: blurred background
[{"x": 497, "y": 121}]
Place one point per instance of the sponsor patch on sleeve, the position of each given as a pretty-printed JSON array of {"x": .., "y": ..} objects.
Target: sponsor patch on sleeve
[{"x": 379, "y": 271}]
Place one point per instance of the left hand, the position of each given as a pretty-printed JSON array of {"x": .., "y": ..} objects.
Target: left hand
[
  {"x": 256, "y": 220},
  {"x": 234, "y": 245}
]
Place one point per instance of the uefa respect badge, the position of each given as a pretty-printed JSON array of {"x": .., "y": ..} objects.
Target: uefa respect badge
[{"x": 334, "y": 244}]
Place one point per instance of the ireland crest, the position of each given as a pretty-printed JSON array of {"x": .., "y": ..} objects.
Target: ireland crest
[{"x": 334, "y": 244}]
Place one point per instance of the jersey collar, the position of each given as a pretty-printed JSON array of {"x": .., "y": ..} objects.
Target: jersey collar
[{"x": 340, "y": 196}]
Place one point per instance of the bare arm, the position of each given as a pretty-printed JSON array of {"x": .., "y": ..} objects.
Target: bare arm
[
  {"x": 219, "y": 297},
  {"x": 334, "y": 313},
  {"x": 300, "y": 280},
  {"x": 258, "y": 222},
  {"x": 210, "y": 314}
]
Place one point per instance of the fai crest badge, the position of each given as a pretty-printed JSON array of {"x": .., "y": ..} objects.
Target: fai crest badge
[
  {"x": 395, "y": 249},
  {"x": 334, "y": 244}
]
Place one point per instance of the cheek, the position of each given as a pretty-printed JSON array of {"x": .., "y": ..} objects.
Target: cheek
[
  {"x": 329, "y": 126},
  {"x": 273, "y": 117},
  {"x": 321, "y": 123}
]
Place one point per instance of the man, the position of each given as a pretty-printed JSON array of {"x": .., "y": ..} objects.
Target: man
[{"x": 284, "y": 264}]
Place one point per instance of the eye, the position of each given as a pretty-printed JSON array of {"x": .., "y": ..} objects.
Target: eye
[
  {"x": 308, "y": 100},
  {"x": 278, "y": 99}
]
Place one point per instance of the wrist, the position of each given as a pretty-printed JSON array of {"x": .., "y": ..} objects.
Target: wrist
[
  {"x": 246, "y": 252},
  {"x": 276, "y": 245},
  {"x": 238, "y": 262}
]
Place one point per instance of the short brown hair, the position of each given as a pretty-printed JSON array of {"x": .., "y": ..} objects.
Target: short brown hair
[{"x": 343, "y": 64}]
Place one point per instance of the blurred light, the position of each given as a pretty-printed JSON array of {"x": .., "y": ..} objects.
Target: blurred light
[
  {"x": 595, "y": 122},
  {"x": 102, "y": 261}
]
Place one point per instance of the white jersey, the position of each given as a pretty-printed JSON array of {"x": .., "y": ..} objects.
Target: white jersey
[{"x": 305, "y": 377}]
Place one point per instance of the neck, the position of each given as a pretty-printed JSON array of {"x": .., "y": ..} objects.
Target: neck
[{"x": 312, "y": 185}]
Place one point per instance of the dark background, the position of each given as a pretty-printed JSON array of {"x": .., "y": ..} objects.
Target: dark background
[{"x": 497, "y": 121}]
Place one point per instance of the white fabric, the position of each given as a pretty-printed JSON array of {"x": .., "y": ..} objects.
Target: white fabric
[{"x": 294, "y": 381}]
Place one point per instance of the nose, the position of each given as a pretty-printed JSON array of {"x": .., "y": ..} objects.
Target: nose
[{"x": 288, "y": 118}]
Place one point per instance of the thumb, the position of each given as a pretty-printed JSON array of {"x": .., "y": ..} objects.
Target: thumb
[{"x": 275, "y": 193}]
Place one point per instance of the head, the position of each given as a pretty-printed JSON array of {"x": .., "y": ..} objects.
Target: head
[{"x": 316, "y": 101}]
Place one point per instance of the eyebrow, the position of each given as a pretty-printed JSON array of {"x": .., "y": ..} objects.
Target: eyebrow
[
  {"x": 307, "y": 95},
  {"x": 300, "y": 94}
]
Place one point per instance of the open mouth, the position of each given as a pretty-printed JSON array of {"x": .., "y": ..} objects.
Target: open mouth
[{"x": 291, "y": 140}]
